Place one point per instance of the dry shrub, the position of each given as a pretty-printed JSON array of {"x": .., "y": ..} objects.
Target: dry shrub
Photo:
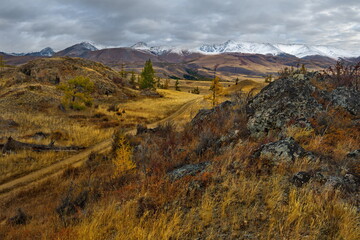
[{"x": 342, "y": 74}]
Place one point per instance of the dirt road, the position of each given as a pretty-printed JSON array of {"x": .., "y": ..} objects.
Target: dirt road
[{"x": 45, "y": 173}]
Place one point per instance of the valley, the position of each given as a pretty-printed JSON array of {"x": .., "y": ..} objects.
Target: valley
[{"x": 237, "y": 157}]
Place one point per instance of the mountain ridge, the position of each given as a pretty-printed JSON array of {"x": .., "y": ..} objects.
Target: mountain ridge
[{"x": 230, "y": 46}]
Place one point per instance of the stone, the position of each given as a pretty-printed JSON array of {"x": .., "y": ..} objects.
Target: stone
[
  {"x": 286, "y": 150},
  {"x": 346, "y": 98},
  {"x": 187, "y": 170},
  {"x": 281, "y": 102}
]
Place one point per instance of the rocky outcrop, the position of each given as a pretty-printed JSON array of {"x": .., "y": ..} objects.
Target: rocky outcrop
[
  {"x": 346, "y": 98},
  {"x": 187, "y": 170},
  {"x": 283, "y": 151},
  {"x": 282, "y": 101}
]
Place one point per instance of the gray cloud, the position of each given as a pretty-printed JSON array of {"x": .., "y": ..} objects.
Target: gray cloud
[{"x": 32, "y": 25}]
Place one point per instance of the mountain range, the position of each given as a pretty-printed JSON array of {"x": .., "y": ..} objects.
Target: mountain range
[
  {"x": 230, "y": 46},
  {"x": 231, "y": 59}
]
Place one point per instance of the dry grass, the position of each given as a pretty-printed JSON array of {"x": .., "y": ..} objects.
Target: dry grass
[
  {"x": 238, "y": 197},
  {"x": 155, "y": 109}
]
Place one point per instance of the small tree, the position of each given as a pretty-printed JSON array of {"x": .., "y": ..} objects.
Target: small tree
[
  {"x": 237, "y": 81},
  {"x": 166, "y": 84},
  {"x": 216, "y": 90},
  {"x": 147, "y": 76},
  {"x": 177, "y": 88},
  {"x": 132, "y": 79},
  {"x": 78, "y": 93},
  {"x": 269, "y": 78},
  {"x": 123, "y": 73},
  {"x": 303, "y": 69},
  {"x": 158, "y": 82},
  {"x": 123, "y": 156},
  {"x": 2, "y": 62}
]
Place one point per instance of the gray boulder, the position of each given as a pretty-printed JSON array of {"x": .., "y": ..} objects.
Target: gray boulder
[
  {"x": 282, "y": 101},
  {"x": 188, "y": 170},
  {"x": 286, "y": 150},
  {"x": 346, "y": 98}
]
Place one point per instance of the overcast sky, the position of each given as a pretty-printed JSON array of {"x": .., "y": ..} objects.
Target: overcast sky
[{"x": 30, "y": 25}]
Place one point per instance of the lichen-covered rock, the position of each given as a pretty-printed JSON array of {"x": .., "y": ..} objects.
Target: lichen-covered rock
[
  {"x": 282, "y": 101},
  {"x": 346, "y": 98},
  {"x": 286, "y": 150},
  {"x": 300, "y": 178},
  {"x": 353, "y": 163},
  {"x": 188, "y": 170}
]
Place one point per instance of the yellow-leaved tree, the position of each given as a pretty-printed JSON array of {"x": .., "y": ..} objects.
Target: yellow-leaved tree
[
  {"x": 216, "y": 89},
  {"x": 123, "y": 156},
  {"x": 77, "y": 93}
]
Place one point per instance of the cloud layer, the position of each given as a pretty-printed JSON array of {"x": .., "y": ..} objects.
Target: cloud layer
[{"x": 36, "y": 24}]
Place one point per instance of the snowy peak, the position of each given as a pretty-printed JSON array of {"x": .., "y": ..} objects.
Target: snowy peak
[
  {"x": 298, "y": 50},
  {"x": 240, "y": 47},
  {"x": 86, "y": 45},
  {"x": 159, "y": 50},
  {"x": 46, "y": 52},
  {"x": 230, "y": 46},
  {"x": 140, "y": 46}
]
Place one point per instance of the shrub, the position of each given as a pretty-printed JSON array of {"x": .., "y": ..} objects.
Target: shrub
[
  {"x": 341, "y": 74},
  {"x": 195, "y": 90}
]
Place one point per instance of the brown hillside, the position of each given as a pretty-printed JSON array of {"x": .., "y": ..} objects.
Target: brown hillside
[{"x": 36, "y": 82}]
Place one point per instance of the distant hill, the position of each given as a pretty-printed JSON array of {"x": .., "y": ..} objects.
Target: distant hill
[{"x": 34, "y": 84}]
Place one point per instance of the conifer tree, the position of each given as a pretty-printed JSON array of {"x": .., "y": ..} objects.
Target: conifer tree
[
  {"x": 177, "y": 88},
  {"x": 123, "y": 72},
  {"x": 216, "y": 90},
  {"x": 147, "y": 76},
  {"x": 132, "y": 79}
]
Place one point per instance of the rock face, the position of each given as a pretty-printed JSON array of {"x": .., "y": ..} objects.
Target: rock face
[
  {"x": 286, "y": 150},
  {"x": 284, "y": 100},
  {"x": 187, "y": 170},
  {"x": 346, "y": 98}
]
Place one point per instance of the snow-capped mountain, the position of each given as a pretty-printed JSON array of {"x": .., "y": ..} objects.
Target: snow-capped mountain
[
  {"x": 46, "y": 52},
  {"x": 140, "y": 46},
  {"x": 86, "y": 45},
  {"x": 159, "y": 50},
  {"x": 241, "y": 47},
  {"x": 298, "y": 50},
  {"x": 77, "y": 50}
]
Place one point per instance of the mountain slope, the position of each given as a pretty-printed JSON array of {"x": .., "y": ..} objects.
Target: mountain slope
[{"x": 77, "y": 50}]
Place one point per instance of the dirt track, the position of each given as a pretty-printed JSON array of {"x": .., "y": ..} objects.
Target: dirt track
[{"x": 45, "y": 173}]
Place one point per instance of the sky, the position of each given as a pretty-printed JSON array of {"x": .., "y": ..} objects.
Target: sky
[{"x": 31, "y": 25}]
